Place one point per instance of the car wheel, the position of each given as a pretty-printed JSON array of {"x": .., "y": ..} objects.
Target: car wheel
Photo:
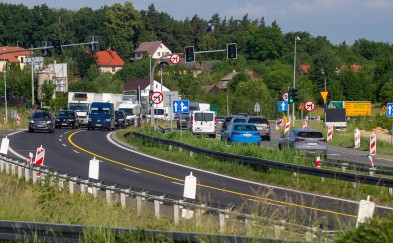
[
  {"x": 73, "y": 126},
  {"x": 31, "y": 130},
  {"x": 279, "y": 147},
  {"x": 268, "y": 138},
  {"x": 88, "y": 128},
  {"x": 52, "y": 130}
]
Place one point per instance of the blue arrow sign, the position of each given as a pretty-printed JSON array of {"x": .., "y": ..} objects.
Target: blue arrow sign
[
  {"x": 389, "y": 109},
  {"x": 282, "y": 106},
  {"x": 180, "y": 106}
]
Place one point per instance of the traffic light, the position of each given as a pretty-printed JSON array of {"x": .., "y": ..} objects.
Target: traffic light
[
  {"x": 151, "y": 97},
  {"x": 189, "y": 54},
  {"x": 232, "y": 51},
  {"x": 57, "y": 46},
  {"x": 94, "y": 45},
  {"x": 47, "y": 50},
  {"x": 292, "y": 93}
]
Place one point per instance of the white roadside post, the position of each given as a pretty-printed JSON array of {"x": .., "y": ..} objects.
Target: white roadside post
[
  {"x": 94, "y": 171},
  {"x": 189, "y": 192},
  {"x": 366, "y": 210}
]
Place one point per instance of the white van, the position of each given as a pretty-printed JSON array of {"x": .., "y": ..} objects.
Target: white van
[{"x": 202, "y": 123}]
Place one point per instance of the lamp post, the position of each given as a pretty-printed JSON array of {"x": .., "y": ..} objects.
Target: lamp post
[
  {"x": 294, "y": 80},
  {"x": 5, "y": 89}
]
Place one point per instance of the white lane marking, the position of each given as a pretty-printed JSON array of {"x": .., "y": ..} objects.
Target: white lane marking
[
  {"x": 65, "y": 145},
  {"x": 177, "y": 183},
  {"x": 333, "y": 154},
  {"x": 60, "y": 140},
  {"x": 75, "y": 151},
  {"x": 137, "y": 172},
  {"x": 108, "y": 136},
  {"x": 61, "y": 135},
  {"x": 268, "y": 203}
]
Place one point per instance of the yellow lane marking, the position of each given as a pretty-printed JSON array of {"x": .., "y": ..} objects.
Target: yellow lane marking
[
  {"x": 385, "y": 159},
  {"x": 205, "y": 186}
]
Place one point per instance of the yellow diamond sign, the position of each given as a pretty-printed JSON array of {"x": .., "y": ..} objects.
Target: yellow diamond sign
[{"x": 324, "y": 94}]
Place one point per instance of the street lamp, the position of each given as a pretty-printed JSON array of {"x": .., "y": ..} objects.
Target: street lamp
[
  {"x": 294, "y": 80},
  {"x": 5, "y": 89}
]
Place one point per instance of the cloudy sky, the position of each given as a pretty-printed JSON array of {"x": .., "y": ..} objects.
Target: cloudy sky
[{"x": 338, "y": 20}]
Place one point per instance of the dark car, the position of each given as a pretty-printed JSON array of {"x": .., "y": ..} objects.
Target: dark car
[
  {"x": 120, "y": 119},
  {"x": 67, "y": 118},
  {"x": 183, "y": 121},
  {"x": 41, "y": 120},
  {"x": 232, "y": 119},
  {"x": 262, "y": 125}
]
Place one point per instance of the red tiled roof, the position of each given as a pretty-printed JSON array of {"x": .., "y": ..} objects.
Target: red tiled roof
[
  {"x": 355, "y": 68},
  {"x": 109, "y": 58},
  {"x": 305, "y": 68},
  {"x": 149, "y": 47},
  {"x": 13, "y": 57}
]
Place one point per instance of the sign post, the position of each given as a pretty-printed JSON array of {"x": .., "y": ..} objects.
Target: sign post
[
  {"x": 257, "y": 108},
  {"x": 179, "y": 107}
]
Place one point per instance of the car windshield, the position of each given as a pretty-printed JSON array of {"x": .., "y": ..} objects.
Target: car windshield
[
  {"x": 100, "y": 110},
  {"x": 200, "y": 116},
  {"x": 245, "y": 128},
  {"x": 119, "y": 113},
  {"x": 127, "y": 111},
  {"x": 310, "y": 134},
  {"x": 41, "y": 115},
  {"x": 228, "y": 119},
  {"x": 66, "y": 113},
  {"x": 239, "y": 120},
  {"x": 258, "y": 120},
  {"x": 79, "y": 106}
]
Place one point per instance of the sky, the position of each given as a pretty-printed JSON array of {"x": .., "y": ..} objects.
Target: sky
[{"x": 337, "y": 20}]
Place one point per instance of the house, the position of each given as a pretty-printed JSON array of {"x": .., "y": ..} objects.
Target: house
[
  {"x": 155, "y": 49},
  {"x": 14, "y": 54},
  {"x": 223, "y": 84},
  {"x": 109, "y": 61},
  {"x": 304, "y": 69},
  {"x": 211, "y": 89}
]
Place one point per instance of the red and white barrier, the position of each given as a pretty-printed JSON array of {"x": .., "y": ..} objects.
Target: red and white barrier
[
  {"x": 373, "y": 144},
  {"x": 318, "y": 162},
  {"x": 39, "y": 157},
  {"x": 31, "y": 158},
  {"x": 330, "y": 133},
  {"x": 18, "y": 119},
  {"x": 357, "y": 138},
  {"x": 304, "y": 124},
  {"x": 306, "y": 118},
  {"x": 287, "y": 126},
  {"x": 318, "y": 118},
  {"x": 370, "y": 158},
  {"x": 278, "y": 124}
]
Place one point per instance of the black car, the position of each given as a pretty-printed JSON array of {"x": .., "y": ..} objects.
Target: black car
[
  {"x": 183, "y": 122},
  {"x": 120, "y": 119},
  {"x": 41, "y": 120},
  {"x": 67, "y": 118}
]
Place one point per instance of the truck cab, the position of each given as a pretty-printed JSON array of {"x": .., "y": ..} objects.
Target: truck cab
[{"x": 102, "y": 115}]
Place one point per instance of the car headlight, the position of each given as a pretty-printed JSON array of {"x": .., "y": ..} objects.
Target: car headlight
[
  {"x": 89, "y": 119},
  {"x": 71, "y": 120},
  {"x": 32, "y": 121},
  {"x": 107, "y": 120},
  {"x": 49, "y": 122},
  {"x": 57, "y": 119}
]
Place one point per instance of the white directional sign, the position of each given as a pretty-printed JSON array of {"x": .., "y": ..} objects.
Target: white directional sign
[
  {"x": 309, "y": 105},
  {"x": 389, "y": 109},
  {"x": 257, "y": 107},
  {"x": 170, "y": 96},
  {"x": 282, "y": 106},
  {"x": 181, "y": 106},
  {"x": 175, "y": 58}
]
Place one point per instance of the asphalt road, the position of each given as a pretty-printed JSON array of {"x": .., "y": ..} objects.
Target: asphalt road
[{"x": 70, "y": 151}]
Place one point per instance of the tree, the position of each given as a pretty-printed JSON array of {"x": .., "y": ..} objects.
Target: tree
[{"x": 47, "y": 91}]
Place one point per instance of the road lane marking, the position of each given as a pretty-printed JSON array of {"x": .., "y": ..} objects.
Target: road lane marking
[
  {"x": 268, "y": 203},
  {"x": 64, "y": 145},
  {"x": 60, "y": 140},
  {"x": 75, "y": 151},
  {"x": 132, "y": 170},
  {"x": 177, "y": 183},
  {"x": 207, "y": 186}
]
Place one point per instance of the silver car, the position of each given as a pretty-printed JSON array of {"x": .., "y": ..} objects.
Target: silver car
[
  {"x": 262, "y": 125},
  {"x": 311, "y": 141}
]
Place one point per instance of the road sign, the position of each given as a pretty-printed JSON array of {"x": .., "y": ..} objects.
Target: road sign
[
  {"x": 384, "y": 108},
  {"x": 181, "y": 106},
  {"x": 169, "y": 96},
  {"x": 324, "y": 94},
  {"x": 175, "y": 58},
  {"x": 282, "y": 106},
  {"x": 309, "y": 105},
  {"x": 301, "y": 106},
  {"x": 285, "y": 96},
  {"x": 389, "y": 109},
  {"x": 257, "y": 107},
  {"x": 357, "y": 108},
  {"x": 157, "y": 97}
]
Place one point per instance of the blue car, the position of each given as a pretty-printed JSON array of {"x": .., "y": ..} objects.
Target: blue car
[{"x": 241, "y": 133}]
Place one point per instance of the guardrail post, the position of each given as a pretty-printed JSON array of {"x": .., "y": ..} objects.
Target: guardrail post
[
  {"x": 95, "y": 188},
  {"x": 35, "y": 177},
  {"x": 390, "y": 190},
  {"x": 354, "y": 184},
  {"x": 27, "y": 172},
  {"x": 344, "y": 166},
  {"x": 20, "y": 172},
  {"x": 311, "y": 235},
  {"x": 170, "y": 147},
  {"x": 62, "y": 181},
  {"x": 7, "y": 168},
  {"x": 84, "y": 186},
  {"x": 108, "y": 192},
  {"x": 372, "y": 170},
  {"x": 176, "y": 213},
  {"x": 248, "y": 223},
  {"x": 157, "y": 204},
  {"x": 2, "y": 165},
  {"x": 190, "y": 153},
  {"x": 222, "y": 217},
  {"x": 139, "y": 200},
  {"x": 71, "y": 184},
  {"x": 123, "y": 197},
  {"x": 13, "y": 169},
  {"x": 277, "y": 229},
  {"x": 294, "y": 174}
]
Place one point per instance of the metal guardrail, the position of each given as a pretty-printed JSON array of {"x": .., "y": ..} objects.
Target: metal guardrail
[
  {"x": 320, "y": 172},
  {"x": 28, "y": 171},
  {"x": 42, "y": 232}
]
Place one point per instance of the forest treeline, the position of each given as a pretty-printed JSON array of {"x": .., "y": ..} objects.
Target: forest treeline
[{"x": 263, "y": 48}]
